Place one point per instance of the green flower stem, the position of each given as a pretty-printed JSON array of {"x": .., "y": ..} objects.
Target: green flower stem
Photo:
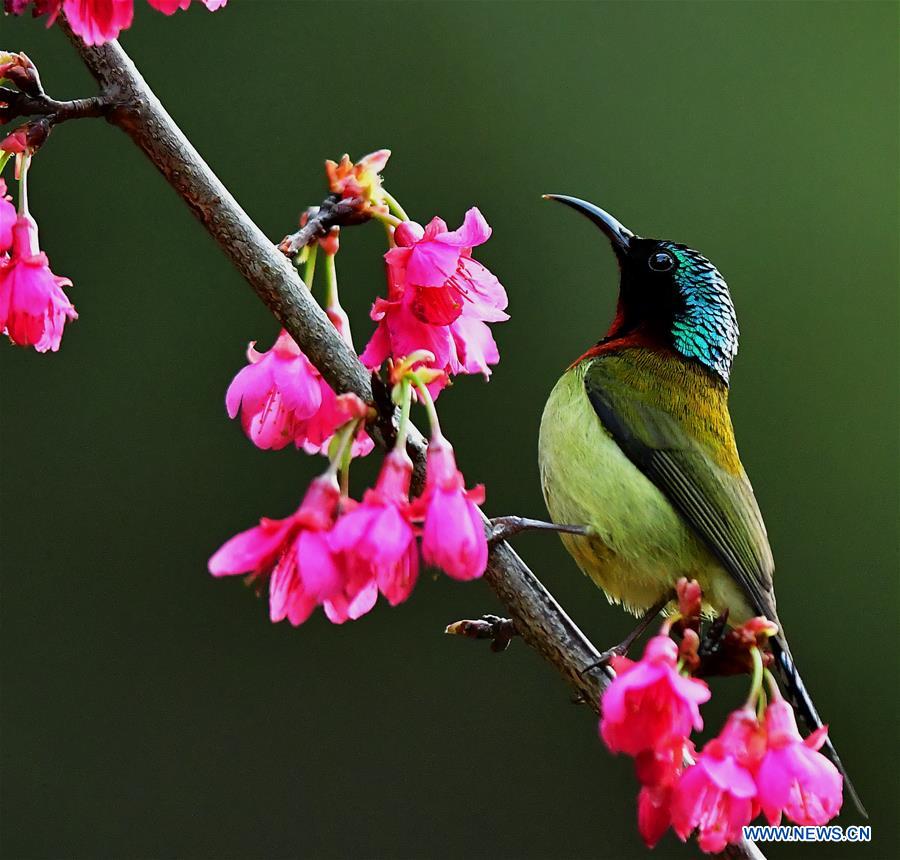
[
  {"x": 395, "y": 206},
  {"x": 346, "y": 460},
  {"x": 756, "y": 682},
  {"x": 428, "y": 403},
  {"x": 385, "y": 218},
  {"x": 23, "y": 185},
  {"x": 762, "y": 704},
  {"x": 339, "y": 446},
  {"x": 331, "y": 284},
  {"x": 309, "y": 270},
  {"x": 4, "y": 158},
  {"x": 405, "y": 402}
]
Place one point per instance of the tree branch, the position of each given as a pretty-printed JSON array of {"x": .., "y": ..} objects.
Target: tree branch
[
  {"x": 538, "y": 618},
  {"x": 18, "y": 104}
]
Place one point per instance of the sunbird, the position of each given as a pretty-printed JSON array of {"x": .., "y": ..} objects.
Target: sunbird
[{"x": 637, "y": 448}]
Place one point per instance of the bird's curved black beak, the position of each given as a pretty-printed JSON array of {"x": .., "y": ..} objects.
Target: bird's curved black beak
[{"x": 617, "y": 233}]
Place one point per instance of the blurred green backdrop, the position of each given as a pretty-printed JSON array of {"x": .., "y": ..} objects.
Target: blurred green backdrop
[{"x": 151, "y": 711}]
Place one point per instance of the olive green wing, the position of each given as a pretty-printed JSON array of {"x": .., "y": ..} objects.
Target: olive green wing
[{"x": 719, "y": 507}]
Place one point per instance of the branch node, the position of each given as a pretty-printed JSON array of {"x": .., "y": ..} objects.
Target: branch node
[
  {"x": 335, "y": 211},
  {"x": 499, "y": 630}
]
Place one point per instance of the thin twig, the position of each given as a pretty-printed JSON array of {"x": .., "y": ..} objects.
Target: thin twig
[
  {"x": 499, "y": 630},
  {"x": 539, "y": 619},
  {"x": 18, "y": 104},
  {"x": 334, "y": 212}
]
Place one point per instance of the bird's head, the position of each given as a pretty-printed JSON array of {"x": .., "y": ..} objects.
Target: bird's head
[{"x": 669, "y": 294}]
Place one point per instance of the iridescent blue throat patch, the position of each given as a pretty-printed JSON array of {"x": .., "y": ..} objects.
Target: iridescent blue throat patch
[{"x": 705, "y": 327}]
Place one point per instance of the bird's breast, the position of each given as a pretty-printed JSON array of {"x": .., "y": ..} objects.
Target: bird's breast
[{"x": 641, "y": 545}]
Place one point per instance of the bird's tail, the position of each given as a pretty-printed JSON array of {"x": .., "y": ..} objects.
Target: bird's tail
[{"x": 785, "y": 671}]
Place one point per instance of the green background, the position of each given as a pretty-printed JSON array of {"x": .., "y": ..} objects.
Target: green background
[{"x": 151, "y": 711}]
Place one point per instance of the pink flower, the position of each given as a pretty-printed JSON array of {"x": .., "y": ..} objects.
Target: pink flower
[
  {"x": 649, "y": 702},
  {"x": 654, "y": 813},
  {"x": 453, "y": 536},
  {"x": 33, "y": 306},
  {"x": 376, "y": 537},
  {"x": 315, "y": 435},
  {"x": 439, "y": 299},
  {"x": 658, "y": 771},
  {"x": 275, "y": 393},
  {"x": 170, "y": 7},
  {"x": 41, "y": 7},
  {"x": 7, "y": 219},
  {"x": 282, "y": 398},
  {"x": 440, "y": 270},
  {"x": 296, "y": 551},
  {"x": 98, "y": 21},
  {"x": 793, "y": 776},
  {"x": 717, "y": 795}
]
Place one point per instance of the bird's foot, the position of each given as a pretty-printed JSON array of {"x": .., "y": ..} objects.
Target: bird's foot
[
  {"x": 624, "y": 646},
  {"x": 499, "y": 630},
  {"x": 503, "y": 528}
]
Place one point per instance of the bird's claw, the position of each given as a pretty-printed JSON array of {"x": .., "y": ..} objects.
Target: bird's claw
[{"x": 503, "y": 528}]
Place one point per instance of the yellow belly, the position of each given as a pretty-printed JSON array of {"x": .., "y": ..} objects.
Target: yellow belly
[{"x": 641, "y": 546}]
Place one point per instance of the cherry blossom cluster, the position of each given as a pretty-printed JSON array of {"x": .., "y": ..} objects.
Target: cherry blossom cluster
[
  {"x": 759, "y": 762},
  {"x": 34, "y": 307},
  {"x": 334, "y": 551},
  {"x": 98, "y": 21}
]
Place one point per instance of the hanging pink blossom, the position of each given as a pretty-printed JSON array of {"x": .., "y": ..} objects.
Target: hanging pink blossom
[
  {"x": 453, "y": 536},
  {"x": 376, "y": 537},
  {"x": 439, "y": 299},
  {"x": 296, "y": 554},
  {"x": 283, "y": 399},
  {"x": 170, "y": 7},
  {"x": 649, "y": 702},
  {"x": 717, "y": 795},
  {"x": 98, "y": 21},
  {"x": 439, "y": 268},
  {"x": 794, "y": 778},
  {"x": 33, "y": 307},
  {"x": 658, "y": 770},
  {"x": 275, "y": 393},
  {"x": 315, "y": 435}
]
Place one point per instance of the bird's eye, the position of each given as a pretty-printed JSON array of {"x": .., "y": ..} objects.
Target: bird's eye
[{"x": 661, "y": 262}]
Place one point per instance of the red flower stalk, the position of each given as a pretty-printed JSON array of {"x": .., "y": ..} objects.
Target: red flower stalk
[{"x": 649, "y": 703}]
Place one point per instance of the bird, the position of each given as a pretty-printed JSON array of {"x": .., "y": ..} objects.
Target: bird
[{"x": 637, "y": 449}]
